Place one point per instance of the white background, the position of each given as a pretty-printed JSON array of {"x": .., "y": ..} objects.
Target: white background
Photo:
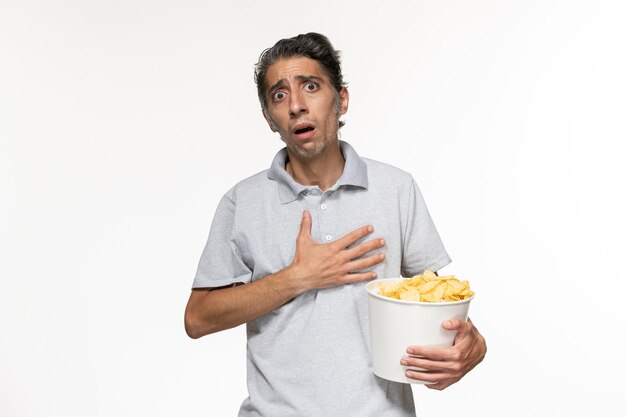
[{"x": 123, "y": 122}]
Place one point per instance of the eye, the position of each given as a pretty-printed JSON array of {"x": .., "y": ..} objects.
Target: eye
[
  {"x": 311, "y": 86},
  {"x": 277, "y": 96}
]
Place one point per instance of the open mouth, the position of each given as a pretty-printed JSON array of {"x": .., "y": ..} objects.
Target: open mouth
[{"x": 304, "y": 130}]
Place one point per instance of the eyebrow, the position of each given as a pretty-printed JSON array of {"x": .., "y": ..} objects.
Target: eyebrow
[{"x": 282, "y": 81}]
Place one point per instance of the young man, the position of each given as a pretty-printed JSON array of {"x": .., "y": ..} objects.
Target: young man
[{"x": 303, "y": 237}]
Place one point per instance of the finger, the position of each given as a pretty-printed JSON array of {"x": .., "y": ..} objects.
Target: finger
[
  {"x": 455, "y": 325},
  {"x": 433, "y": 380},
  {"x": 305, "y": 225},
  {"x": 428, "y": 365},
  {"x": 436, "y": 354},
  {"x": 363, "y": 263},
  {"x": 428, "y": 377},
  {"x": 358, "y": 277},
  {"x": 365, "y": 247},
  {"x": 353, "y": 236}
]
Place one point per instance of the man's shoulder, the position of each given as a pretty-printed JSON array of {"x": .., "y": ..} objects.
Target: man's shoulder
[
  {"x": 252, "y": 185},
  {"x": 386, "y": 172},
  {"x": 254, "y": 180}
]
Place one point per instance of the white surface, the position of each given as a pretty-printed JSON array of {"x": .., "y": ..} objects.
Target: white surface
[
  {"x": 396, "y": 324},
  {"x": 123, "y": 122}
]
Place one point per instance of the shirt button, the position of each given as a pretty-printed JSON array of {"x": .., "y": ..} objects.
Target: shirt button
[
  {"x": 329, "y": 237},
  {"x": 323, "y": 206}
]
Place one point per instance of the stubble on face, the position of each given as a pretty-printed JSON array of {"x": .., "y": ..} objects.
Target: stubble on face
[
  {"x": 292, "y": 74},
  {"x": 316, "y": 148}
]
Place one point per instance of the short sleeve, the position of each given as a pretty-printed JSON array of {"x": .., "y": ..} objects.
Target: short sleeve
[
  {"x": 221, "y": 263},
  {"x": 422, "y": 248}
]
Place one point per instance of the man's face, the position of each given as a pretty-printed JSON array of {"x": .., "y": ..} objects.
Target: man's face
[{"x": 303, "y": 106}]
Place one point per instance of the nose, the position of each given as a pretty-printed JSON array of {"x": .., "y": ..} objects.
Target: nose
[{"x": 297, "y": 104}]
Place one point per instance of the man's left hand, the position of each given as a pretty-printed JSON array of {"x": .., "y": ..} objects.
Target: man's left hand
[{"x": 445, "y": 366}]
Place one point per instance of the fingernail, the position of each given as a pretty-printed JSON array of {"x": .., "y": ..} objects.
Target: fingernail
[
  {"x": 448, "y": 323},
  {"x": 370, "y": 229},
  {"x": 382, "y": 242},
  {"x": 403, "y": 362},
  {"x": 373, "y": 274},
  {"x": 411, "y": 351},
  {"x": 381, "y": 256}
]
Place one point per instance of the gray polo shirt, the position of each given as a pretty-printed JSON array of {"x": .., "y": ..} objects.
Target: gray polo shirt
[{"x": 311, "y": 357}]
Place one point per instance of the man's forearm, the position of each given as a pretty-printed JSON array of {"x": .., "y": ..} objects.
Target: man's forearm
[{"x": 209, "y": 311}]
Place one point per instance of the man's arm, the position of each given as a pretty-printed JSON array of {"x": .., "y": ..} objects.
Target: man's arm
[
  {"x": 315, "y": 265},
  {"x": 212, "y": 310}
]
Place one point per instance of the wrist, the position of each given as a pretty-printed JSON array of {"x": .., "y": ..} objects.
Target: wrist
[{"x": 290, "y": 280}]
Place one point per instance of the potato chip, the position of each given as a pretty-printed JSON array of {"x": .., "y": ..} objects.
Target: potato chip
[
  {"x": 410, "y": 294},
  {"x": 427, "y": 287}
]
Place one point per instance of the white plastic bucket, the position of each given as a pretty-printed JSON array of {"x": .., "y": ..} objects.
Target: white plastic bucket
[{"x": 397, "y": 324}]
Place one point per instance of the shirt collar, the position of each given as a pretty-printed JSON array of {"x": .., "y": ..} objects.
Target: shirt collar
[{"x": 354, "y": 173}]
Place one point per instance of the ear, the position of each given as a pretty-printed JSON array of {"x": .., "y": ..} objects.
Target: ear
[
  {"x": 344, "y": 98},
  {"x": 269, "y": 121}
]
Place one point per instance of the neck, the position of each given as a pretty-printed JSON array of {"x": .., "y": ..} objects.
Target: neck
[{"x": 323, "y": 170}]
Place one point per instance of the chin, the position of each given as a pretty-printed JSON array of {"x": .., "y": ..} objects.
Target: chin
[{"x": 312, "y": 151}]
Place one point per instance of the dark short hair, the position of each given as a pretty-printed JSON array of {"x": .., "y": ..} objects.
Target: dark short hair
[{"x": 311, "y": 45}]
